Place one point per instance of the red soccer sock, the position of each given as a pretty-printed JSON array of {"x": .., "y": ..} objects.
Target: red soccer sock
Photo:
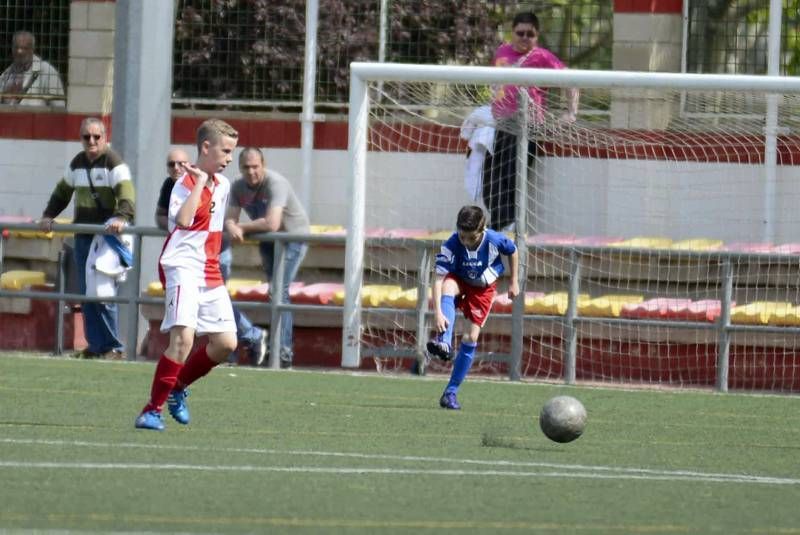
[
  {"x": 197, "y": 365},
  {"x": 166, "y": 374}
]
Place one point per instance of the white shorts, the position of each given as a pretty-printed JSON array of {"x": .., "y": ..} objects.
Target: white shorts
[{"x": 206, "y": 310}]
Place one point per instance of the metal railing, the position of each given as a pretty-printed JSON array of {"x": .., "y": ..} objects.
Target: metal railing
[
  {"x": 570, "y": 322},
  {"x": 131, "y": 297}
]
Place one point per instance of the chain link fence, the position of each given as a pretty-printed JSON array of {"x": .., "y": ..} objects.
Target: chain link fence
[
  {"x": 251, "y": 53},
  {"x": 730, "y": 37}
]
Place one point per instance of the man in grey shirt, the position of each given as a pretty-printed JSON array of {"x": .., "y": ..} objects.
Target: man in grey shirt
[{"x": 272, "y": 205}]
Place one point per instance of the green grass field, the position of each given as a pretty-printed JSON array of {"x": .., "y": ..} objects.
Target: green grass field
[{"x": 322, "y": 452}]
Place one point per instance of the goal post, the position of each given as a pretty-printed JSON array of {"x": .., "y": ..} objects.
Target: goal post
[
  {"x": 354, "y": 241},
  {"x": 657, "y": 230}
]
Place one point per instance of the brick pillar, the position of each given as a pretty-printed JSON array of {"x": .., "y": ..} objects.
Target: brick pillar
[
  {"x": 91, "y": 57},
  {"x": 647, "y": 37}
]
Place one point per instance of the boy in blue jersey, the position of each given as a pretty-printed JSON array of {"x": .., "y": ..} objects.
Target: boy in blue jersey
[{"x": 467, "y": 269}]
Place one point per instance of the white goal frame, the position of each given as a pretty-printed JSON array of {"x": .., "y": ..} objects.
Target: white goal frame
[{"x": 361, "y": 74}]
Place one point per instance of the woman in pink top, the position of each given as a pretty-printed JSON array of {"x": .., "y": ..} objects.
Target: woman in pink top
[{"x": 499, "y": 167}]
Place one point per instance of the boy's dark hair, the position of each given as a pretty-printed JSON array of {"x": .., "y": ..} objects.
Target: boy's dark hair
[
  {"x": 470, "y": 219},
  {"x": 526, "y": 17}
]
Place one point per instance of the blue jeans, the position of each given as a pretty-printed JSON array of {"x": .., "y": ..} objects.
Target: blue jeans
[
  {"x": 246, "y": 332},
  {"x": 99, "y": 319},
  {"x": 294, "y": 254}
]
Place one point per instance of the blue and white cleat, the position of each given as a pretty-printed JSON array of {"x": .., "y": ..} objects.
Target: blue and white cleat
[
  {"x": 149, "y": 420},
  {"x": 449, "y": 401},
  {"x": 176, "y": 403}
]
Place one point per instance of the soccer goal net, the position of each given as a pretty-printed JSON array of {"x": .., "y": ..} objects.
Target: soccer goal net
[{"x": 658, "y": 231}]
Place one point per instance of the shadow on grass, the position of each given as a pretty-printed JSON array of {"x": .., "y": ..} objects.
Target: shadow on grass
[{"x": 494, "y": 440}]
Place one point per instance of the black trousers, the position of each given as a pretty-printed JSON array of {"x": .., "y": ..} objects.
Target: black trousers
[{"x": 500, "y": 178}]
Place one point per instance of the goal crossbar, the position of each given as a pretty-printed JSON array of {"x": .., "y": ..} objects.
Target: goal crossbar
[{"x": 366, "y": 72}]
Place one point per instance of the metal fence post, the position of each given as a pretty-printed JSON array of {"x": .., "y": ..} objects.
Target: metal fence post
[
  {"x": 724, "y": 334},
  {"x": 2, "y": 248},
  {"x": 520, "y": 238},
  {"x": 132, "y": 305},
  {"x": 276, "y": 299},
  {"x": 570, "y": 329},
  {"x": 423, "y": 284},
  {"x": 61, "y": 285}
]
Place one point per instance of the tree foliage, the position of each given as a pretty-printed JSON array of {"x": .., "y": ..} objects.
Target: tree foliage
[
  {"x": 253, "y": 49},
  {"x": 236, "y": 49},
  {"x": 730, "y": 36}
]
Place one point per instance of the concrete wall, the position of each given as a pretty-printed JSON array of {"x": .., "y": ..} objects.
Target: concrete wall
[
  {"x": 584, "y": 196},
  {"x": 424, "y": 190},
  {"x": 91, "y": 57},
  {"x": 647, "y": 37}
]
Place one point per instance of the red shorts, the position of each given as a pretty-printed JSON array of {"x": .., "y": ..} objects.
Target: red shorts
[{"x": 475, "y": 302}]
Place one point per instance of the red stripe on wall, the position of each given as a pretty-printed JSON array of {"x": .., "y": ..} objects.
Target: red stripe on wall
[
  {"x": 648, "y": 6},
  {"x": 44, "y": 125},
  {"x": 406, "y": 137},
  {"x": 252, "y": 132}
]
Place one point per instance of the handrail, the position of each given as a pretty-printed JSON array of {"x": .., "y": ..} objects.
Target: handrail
[{"x": 577, "y": 254}]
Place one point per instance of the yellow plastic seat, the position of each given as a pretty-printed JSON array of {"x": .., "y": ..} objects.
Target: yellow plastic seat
[
  {"x": 403, "y": 299},
  {"x": 440, "y": 235},
  {"x": 233, "y": 285},
  {"x": 154, "y": 289},
  {"x": 554, "y": 304},
  {"x": 379, "y": 295},
  {"x": 326, "y": 229},
  {"x": 21, "y": 279},
  {"x": 372, "y": 295},
  {"x": 644, "y": 242},
  {"x": 607, "y": 306},
  {"x": 764, "y": 313},
  {"x": 697, "y": 244},
  {"x": 41, "y": 234}
]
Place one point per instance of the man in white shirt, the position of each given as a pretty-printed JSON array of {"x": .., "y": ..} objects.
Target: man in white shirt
[{"x": 30, "y": 81}]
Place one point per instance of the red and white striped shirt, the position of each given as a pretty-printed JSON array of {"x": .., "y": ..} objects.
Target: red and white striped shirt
[{"x": 191, "y": 254}]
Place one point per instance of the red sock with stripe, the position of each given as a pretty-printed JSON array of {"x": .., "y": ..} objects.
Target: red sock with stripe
[
  {"x": 197, "y": 365},
  {"x": 164, "y": 379}
]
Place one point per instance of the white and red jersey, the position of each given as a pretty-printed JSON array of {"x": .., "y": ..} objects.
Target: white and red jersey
[{"x": 191, "y": 254}]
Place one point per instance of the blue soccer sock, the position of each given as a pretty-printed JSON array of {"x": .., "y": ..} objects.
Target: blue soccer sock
[
  {"x": 461, "y": 366},
  {"x": 448, "y": 306}
]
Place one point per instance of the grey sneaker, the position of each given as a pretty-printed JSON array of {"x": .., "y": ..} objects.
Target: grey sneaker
[
  {"x": 260, "y": 350},
  {"x": 287, "y": 356}
]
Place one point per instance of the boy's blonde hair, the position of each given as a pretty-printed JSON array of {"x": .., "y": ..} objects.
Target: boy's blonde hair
[{"x": 212, "y": 130}]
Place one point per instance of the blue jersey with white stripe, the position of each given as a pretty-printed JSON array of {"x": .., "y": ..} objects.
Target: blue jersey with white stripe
[{"x": 481, "y": 267}]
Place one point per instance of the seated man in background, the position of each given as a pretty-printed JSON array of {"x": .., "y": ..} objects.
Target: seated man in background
[
  {"x": 176, "y": 158},
  {"x": 269, "y": 200},
  {"x": 30, "y": 81}
]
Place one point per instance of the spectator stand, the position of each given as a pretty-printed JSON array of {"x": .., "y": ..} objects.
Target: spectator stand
[{"x": 647, "y": 313}]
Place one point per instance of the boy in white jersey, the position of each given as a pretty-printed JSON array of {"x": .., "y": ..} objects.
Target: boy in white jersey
[
  {"x": 467, "y": 269},
  {"x": 196, "y": 299}
]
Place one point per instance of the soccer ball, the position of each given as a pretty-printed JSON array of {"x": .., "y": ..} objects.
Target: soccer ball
[{"x": 562, "y": 419}]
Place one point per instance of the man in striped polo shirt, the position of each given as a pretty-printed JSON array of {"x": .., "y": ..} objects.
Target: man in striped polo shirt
[{"x": 104, "y": 195}]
